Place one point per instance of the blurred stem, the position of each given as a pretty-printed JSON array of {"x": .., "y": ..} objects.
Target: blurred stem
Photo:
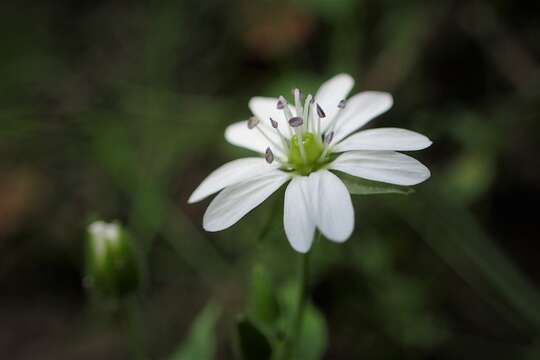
[
  {"x": 135, "y": 328},
  {"x": 303, "y": 285}
]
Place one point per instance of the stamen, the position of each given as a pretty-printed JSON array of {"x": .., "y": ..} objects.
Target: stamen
[
  {"x": 283, "y": 105},
  {"x": 306, "y": 113},
  {"x": 270, "y": 140},
  {"x": 320, "y": 111},
  {"x": 269, "y": 155},
  {"x": 252, "y": 122},
  {"x": 327, "y": 139},
  {"x": 297, "y": 102},
  {"x": 281, "y": 137},
  {"x": 320, "y": 115},
  {"x": 331, "y": 126},
  {"x": 296, "y": 121}
]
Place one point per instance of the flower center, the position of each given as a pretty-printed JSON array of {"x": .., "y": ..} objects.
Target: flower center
[
  {"x": 313, "y": 150},
  {"x": 308, "y": 146}
]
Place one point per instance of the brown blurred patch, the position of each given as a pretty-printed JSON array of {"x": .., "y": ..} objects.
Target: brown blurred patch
[
  {"x": 272, "y": 29},
  {"x": 18, "y": 191}
]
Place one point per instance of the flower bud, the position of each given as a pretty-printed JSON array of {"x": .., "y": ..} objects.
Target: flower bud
[{"x": 111, "y": 263}]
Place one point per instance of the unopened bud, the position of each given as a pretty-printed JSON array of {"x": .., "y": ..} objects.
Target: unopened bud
[{"x": 111, "y": 263}]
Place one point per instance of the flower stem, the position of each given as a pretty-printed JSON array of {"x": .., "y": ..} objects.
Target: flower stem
[{"x": 303, "y": 286}]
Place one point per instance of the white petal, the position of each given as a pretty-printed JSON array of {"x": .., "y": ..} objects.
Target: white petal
[
  {"x": 265, "y": 108},
  {"x": 331, "y": 206},
  {"x": 238, "y": 134},
  {"x": 384, "y": 139},
  {"x": 359, "y": 110},
  {"x": 230, "y": 174},
  {"x": 237, "y": 200},
  {"x": 331, "y": 93},
  {"x": 385, "y": 166},
  {"x": 297, "y": 221}
]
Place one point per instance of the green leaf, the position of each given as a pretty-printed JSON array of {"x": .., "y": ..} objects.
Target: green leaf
[
  {"x": 251, "y": 342},
  {"x": 263, "y": 304},
  {"x": 314, "y": 335},
  {"x": 359, "y": 186},
  {"x": 201, "y": 342}
]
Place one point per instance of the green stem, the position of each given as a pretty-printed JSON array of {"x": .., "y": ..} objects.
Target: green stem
[{"x": 303, "y": 286}]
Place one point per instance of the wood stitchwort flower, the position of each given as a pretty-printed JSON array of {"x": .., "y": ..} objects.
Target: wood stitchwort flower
[{"x": 304, "y": 143}]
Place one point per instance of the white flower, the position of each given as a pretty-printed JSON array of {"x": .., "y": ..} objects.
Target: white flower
[{"x": 315, "y": 197}]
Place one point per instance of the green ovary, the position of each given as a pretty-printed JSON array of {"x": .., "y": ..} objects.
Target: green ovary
[{"x": 312, "y": 150}]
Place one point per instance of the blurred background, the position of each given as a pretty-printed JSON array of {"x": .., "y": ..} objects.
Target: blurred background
[{"x": 115, "y": 110}]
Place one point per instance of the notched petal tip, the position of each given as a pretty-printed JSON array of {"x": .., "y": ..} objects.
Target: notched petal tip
[{"x": 299, "y": 249}]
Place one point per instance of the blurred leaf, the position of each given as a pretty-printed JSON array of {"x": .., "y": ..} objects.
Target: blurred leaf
[
  {"x": 264, "y": 306},
  {"x": 465, "y": 246},
  {"x": 252, "y": 343},
  {"x": 201, "y": 342},
  {"x": 331, "y": 9},
  {"x": 359, "y": 186},
  {"x": 314, "y": 335},
  {"x": 374, "y": 255},
  {"x": 402, "y": 305},
  {"x": 470, "y": 176}
]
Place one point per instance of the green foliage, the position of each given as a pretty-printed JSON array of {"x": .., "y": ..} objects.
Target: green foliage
[
  {"x": 359, "y": 186},
  {"x": 332, "y": 9},
  {"x": 266, "y": 332},
  {"x": 313, "y": 339},
  {"x": 251, "y": 342},
  {"x": 201, "y": 342},
  {"x": 263, "y": 305}
]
